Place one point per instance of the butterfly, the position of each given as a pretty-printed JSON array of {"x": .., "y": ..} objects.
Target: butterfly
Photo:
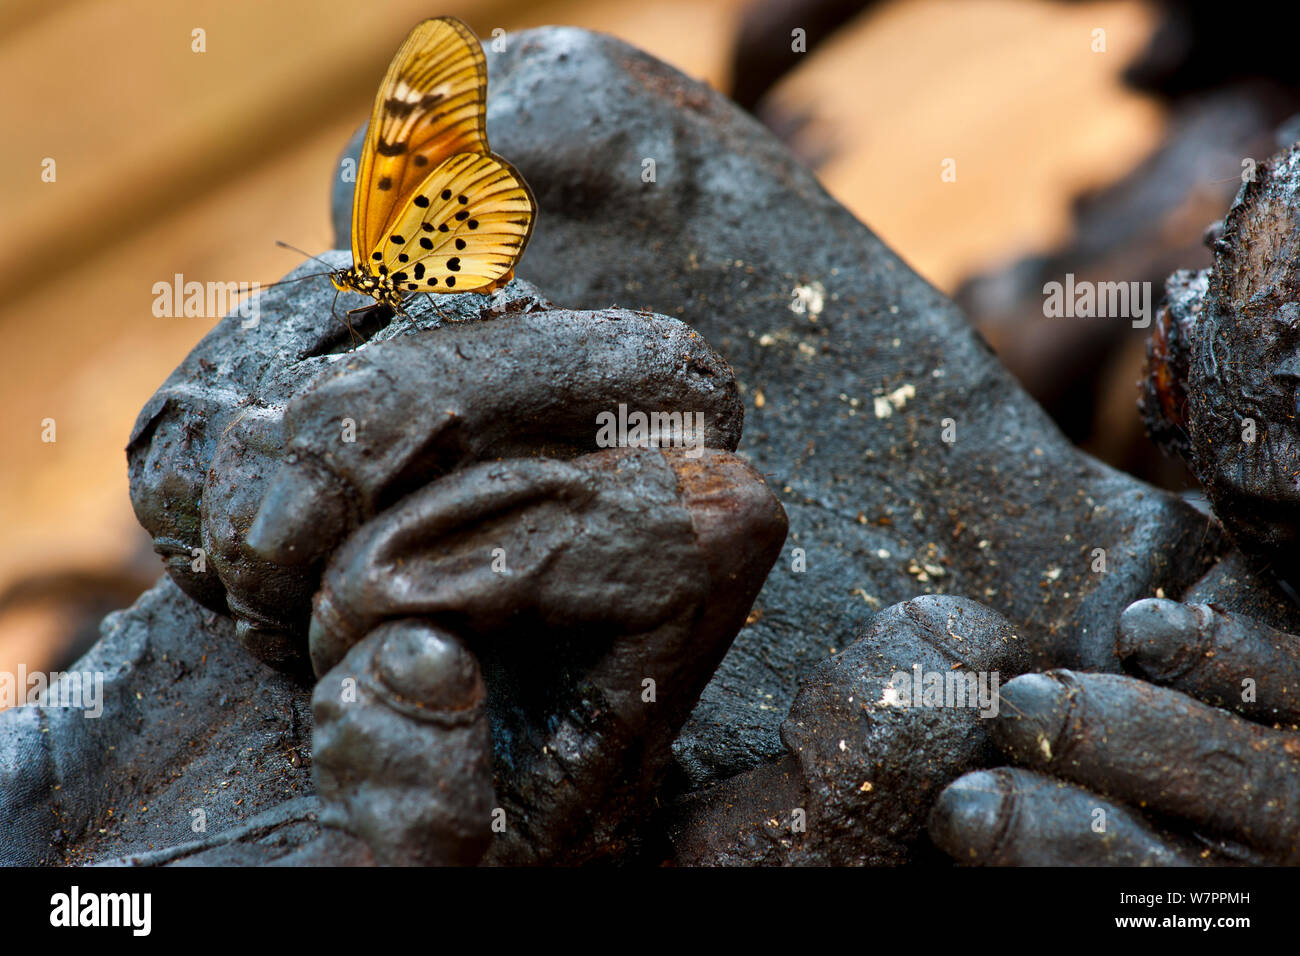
[{"x": 435, "y": 210}]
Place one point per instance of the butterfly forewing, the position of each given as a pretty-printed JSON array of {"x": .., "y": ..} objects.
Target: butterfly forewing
[
  {"x": 462, "y": 229},
  {"x": 430, "y": 106}
]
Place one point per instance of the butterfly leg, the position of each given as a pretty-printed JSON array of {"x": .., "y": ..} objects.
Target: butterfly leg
[
  {"x": 434, "y": 305},
  {"x": 347, "y": 323},
  {"x": 370, "y": 319}
]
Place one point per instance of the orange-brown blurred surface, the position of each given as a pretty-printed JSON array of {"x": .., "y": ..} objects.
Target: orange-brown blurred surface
[{"x": 174, "y": 161}]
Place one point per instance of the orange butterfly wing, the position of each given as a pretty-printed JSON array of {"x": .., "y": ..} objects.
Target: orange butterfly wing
[
  {"x": 462, "y": 231},
  {"x": 431, "y": 105}
]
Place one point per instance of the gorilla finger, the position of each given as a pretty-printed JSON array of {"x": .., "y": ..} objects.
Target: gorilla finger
[
  {"x": 1009, "y": 817},
  {"x": 1222, "y": 658},
  {"x": 1156, "y": 748}
]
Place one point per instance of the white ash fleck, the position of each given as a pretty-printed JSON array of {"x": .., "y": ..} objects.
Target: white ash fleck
[
  {"x": 894, "y": 401},
  {"x": 808, "y": 300}
]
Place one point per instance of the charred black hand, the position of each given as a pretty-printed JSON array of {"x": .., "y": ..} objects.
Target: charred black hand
[
  {"x": 249, "y": 470},
  {"x": 1222, "y": 389},
  {"x": 1207, "y": 772}
]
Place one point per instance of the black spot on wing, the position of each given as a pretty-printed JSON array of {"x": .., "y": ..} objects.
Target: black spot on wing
[{"x": 395, "y": 107}]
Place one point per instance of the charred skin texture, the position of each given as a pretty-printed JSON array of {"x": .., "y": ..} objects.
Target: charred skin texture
[
  {"x": 1225, "y": 659},
  {"x": 1244, "y": 370},
  {"x": 1155, "y": 748},
  {"x": 1010, "y": 817},
  {"x": 1163, "y": 399},
  {"x": 599, "y": 593},
  {"x": 863, "y": 767}
]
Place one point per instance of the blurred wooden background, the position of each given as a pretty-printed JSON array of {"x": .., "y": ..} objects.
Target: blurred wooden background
[{"x": 171, "y": 161}]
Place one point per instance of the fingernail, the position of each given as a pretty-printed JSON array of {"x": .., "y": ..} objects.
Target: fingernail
[
  {"x": 1032, "y": 716},
  {"x": 1154, "y": 635},
  {"x": 739, "y": 523},
  {"x": 428, "y": 667},
  {"x": 968, "y": 816}
]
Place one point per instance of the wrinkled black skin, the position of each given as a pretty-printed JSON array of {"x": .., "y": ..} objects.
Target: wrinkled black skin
[{"x": 1010, "y": 512}]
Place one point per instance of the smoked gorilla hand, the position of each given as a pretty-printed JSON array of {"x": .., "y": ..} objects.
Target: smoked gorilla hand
[
  {"x": 1221, "y": 390},
  {"x": 592, "y": 595},
  {"x": 1230, "y": 788},
  {"x": 598, "y": 594},
  {"x": 405, "y": 412}
]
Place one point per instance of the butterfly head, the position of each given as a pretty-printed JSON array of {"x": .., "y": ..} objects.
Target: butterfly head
[
  {"x": 342, "y": 280},
  {"x": 379, "y": 288}
]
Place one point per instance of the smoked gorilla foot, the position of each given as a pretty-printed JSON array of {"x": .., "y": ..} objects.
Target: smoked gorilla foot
[{"x": 599, "y": 595}]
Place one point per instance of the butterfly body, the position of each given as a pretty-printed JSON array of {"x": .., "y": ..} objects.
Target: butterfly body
[
  {"x": 379, "y": 288},
  {"x": 435, "y": 209}
]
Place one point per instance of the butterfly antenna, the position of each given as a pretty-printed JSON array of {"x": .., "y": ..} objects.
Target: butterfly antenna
[
  {"x": 272, "y": 285},
  {"x": 284, "y": 245}
]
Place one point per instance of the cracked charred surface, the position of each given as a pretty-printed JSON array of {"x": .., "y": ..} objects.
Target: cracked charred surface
[{"x": 1223, "y": 370}]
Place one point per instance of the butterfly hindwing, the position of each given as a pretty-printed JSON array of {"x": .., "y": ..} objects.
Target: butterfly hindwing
[
  {"x": 430, "y": 106},
  {"x": 462, "y": 230}
]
